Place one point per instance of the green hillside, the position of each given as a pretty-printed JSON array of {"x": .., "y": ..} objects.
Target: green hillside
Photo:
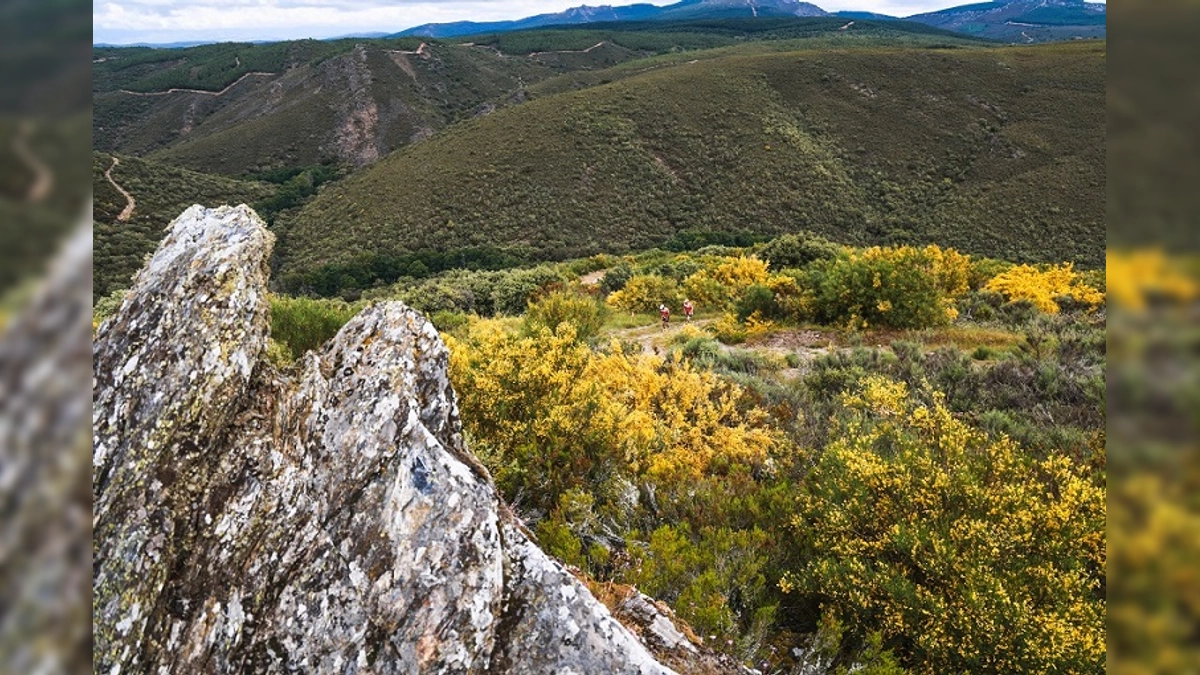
[
  {"x": 351, "y": 107},
  {"x": 997, "y": 152},
  {"x": 161, "y": 193},
  {"x": 234, "y": 108}
]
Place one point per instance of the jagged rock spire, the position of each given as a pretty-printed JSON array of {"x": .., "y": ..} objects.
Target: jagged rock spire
[{"x": 327, "y": 519}]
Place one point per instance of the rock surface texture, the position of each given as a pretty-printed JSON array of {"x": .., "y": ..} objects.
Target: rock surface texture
[{"x": 324, "y": 519}]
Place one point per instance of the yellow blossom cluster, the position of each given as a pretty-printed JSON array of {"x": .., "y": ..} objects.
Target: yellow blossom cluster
[
  {"x": 1135, "y": 276},
  {"x": 718, "y": 286},
  {"x": 1154, "y": 598},
  {"x": 547, "y": 413},
  {"x": 644, "y": 293},
  {"x": 969, "y": 553},
  {"x": 1042, "y": 286}
]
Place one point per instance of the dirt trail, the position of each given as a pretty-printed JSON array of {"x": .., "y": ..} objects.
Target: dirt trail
[
  {"x": 572, "y": 51},
  {"x": 592, "y": 278},
  {"x": 43, "y": 176},
  {"x": 419, "y": 51},
  {"x": 130, "y": 202},
  {"x": 175, "y": 90},
  {"x": 653, "y": 338},
  {"x": 808, "y": 345}
]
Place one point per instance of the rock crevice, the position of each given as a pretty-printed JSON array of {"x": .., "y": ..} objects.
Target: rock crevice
[{"x": 328, "y": 519}]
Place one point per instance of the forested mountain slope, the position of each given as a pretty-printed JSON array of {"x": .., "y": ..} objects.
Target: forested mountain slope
[
  {"x": 994, "y": 151},
  {"x": 234, "y": 108}
]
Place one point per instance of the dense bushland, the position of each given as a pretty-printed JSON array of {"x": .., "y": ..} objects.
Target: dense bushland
[
  {"x": 161, "y": 192},
  {"x": 933, "y": 503}
]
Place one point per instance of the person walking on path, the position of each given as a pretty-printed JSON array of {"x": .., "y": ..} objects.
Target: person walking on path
[
  {"x": 688, "y": 308},
  {"x": 665, "y": 313}
]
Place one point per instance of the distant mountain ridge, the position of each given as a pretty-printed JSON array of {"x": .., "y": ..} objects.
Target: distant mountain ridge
[
  {"x": 1009, "y": 20},
  {"x": 686, "y": 9},
  {"x": 1023, "y": 20}
]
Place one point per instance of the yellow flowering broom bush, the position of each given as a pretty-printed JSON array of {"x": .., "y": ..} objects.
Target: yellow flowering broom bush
[
  {"x": 965, "y": 553},
  {"x": 548, "y": 414},
  {"x": 1133, "y": 277},
  {"x": 1042, "y": 287}
]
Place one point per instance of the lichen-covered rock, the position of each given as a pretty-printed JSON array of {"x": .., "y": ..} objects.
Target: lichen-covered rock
[
  {"x": 679, "y": 648},
  {"x": 658, "y": 630},
  {"x": 327, "y": 519}
]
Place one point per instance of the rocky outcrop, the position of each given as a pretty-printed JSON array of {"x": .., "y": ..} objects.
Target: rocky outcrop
[
  {"x": 324, "y": 519},
  {"x": 673, "y": 643}
]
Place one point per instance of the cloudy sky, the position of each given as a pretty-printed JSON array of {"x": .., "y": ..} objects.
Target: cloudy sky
[{"x": 127, "y": 21}]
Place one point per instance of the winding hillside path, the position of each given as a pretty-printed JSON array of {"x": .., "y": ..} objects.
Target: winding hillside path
[
  {"x": 176, "y": 90},
  {"x": 804, "y": 345},
  {"x": 419, "y": 51},
  {"x": 43, "y": 176},
  {"x": 130, "y": 202},
  {"x": 572, "y": 51}
]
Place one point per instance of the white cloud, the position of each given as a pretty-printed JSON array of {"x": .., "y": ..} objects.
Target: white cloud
[
  {"x": 899, "y": 8},
  {"x": 124, "y": 21},
  {"x": 147, "y": 20}
]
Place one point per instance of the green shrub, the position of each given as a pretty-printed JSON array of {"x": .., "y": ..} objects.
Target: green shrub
[
  {"x": 302, "y": 324},
  {"x": 793, "y": 251},
  {"x": 513, "y": 291},
  {"x": 1018, "y": 313},
  {"x": 760, "y": 299},
  {"x": 891, "y": 288},
  {"x": 616, "y": 278},
  {"x": 446, "y": 321},
  {"x": 713, "y": 577},
  {"x": 555, "y": 537},
  {"x": 980, "y": 305},
  {"x": 108, "y": 305},
  {"x": 437, "y": 296},
  {"x": 709, "y": 354},
  {"x": 983, "y": 270},
  {"x": 561, "y": 307}
]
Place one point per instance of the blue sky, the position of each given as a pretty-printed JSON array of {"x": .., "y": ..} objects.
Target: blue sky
[{"x": 157, "y": 21}]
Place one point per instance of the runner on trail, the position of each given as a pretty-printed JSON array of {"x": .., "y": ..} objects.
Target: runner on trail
[
  {"x": 665, "y": 313},
  {"x": 688, "y": 309}
]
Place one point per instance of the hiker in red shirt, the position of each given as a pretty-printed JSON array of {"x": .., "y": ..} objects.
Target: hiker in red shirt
[
  {"x": 688, "y": 309},
  {"x": 665, "y": 313}
]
